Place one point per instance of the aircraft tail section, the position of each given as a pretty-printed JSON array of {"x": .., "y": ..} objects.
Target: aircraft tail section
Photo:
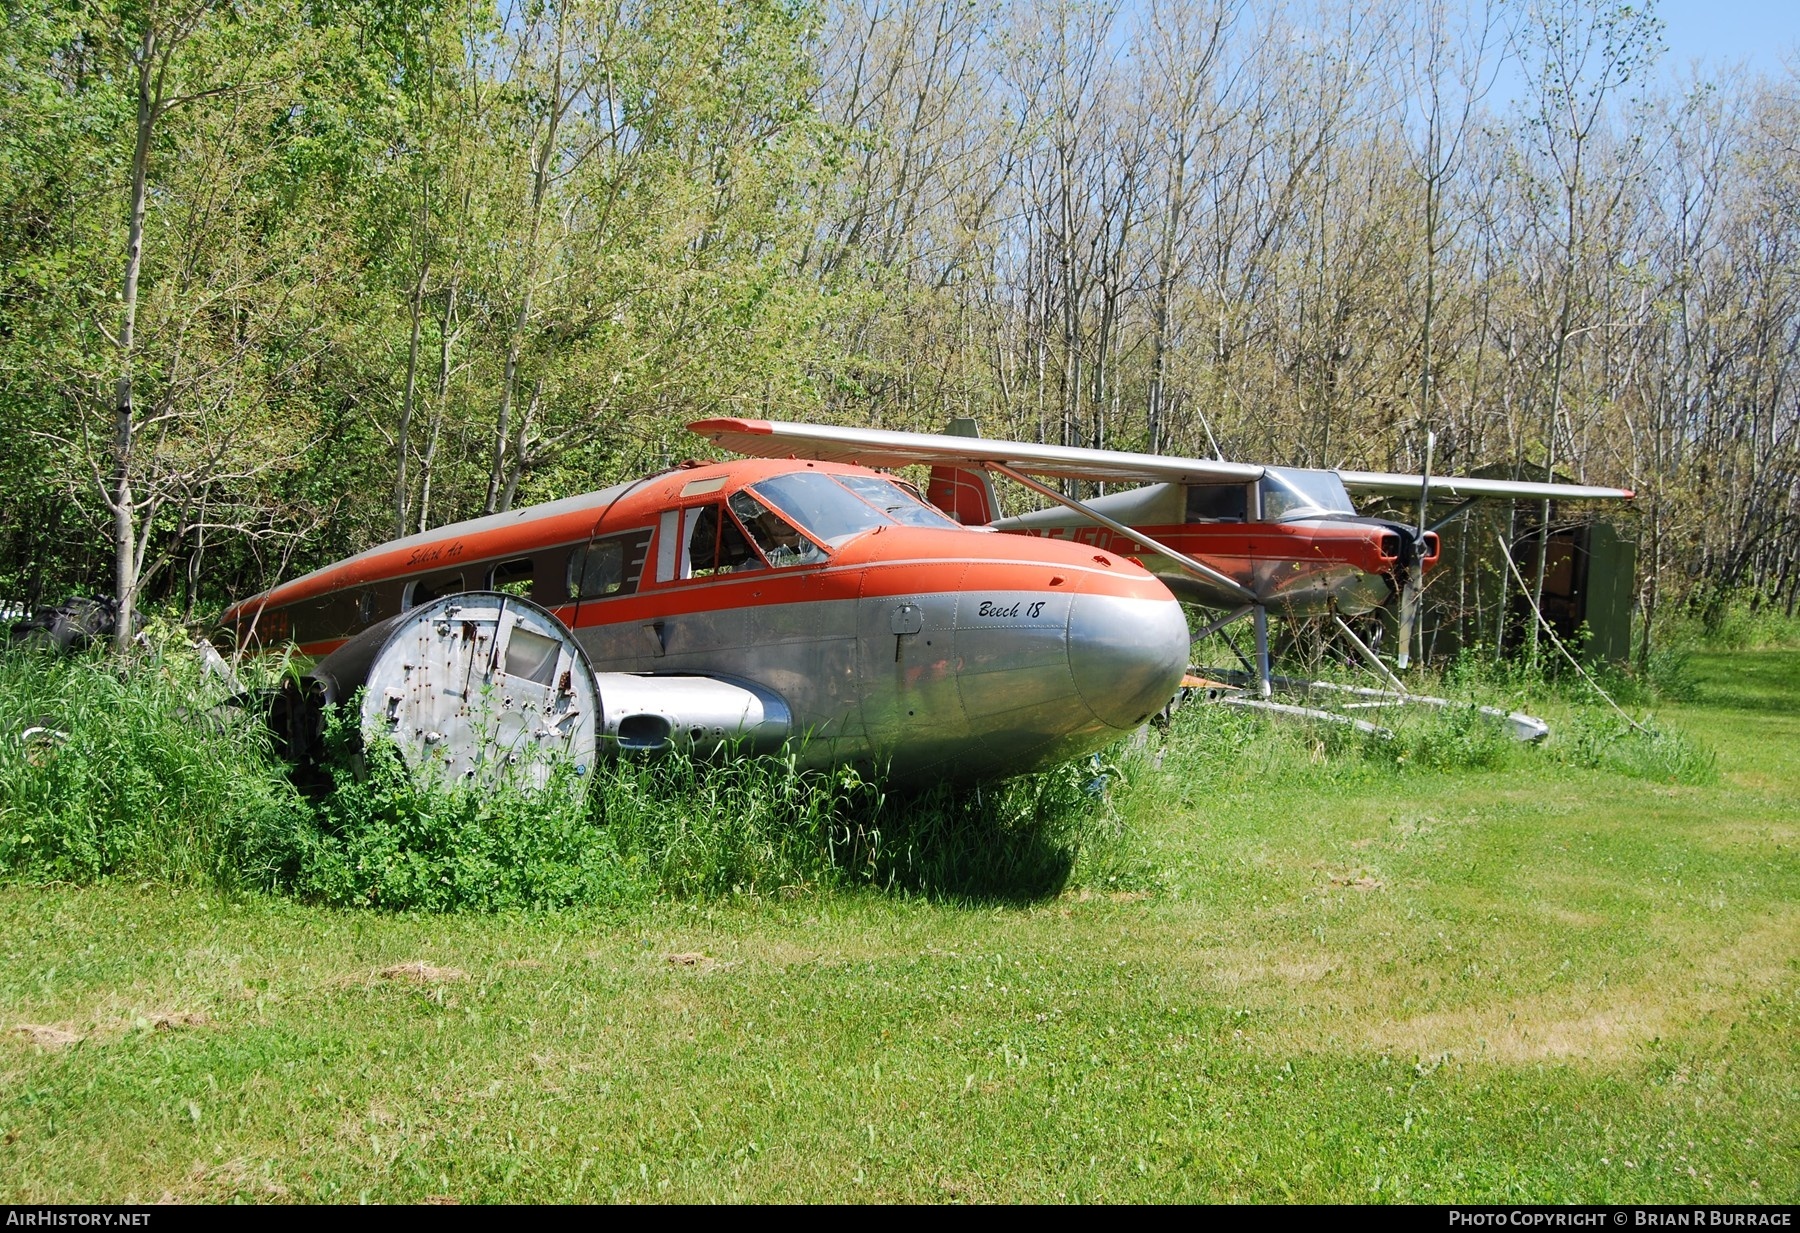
[{"x": 964, "y": 494}]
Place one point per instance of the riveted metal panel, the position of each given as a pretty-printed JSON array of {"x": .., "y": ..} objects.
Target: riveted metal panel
[
  {"x": 801, "y": 652},
  {"x": 481, "y": 688}
]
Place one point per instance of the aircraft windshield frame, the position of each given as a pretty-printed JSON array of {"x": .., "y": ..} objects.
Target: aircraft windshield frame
[{"x": 1290, "y": 493}]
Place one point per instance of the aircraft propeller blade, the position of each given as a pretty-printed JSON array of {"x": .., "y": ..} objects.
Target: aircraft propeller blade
[
  {"x": 1414, "y": 591},
  {"x": 1411, "y": 596}
]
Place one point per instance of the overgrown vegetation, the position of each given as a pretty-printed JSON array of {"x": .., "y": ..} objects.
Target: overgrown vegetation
[
  {"x": 143, "y": 770},
  {"x": 676, "y": 827},
  {"x": 1722, "y": 620},
  {"x": 131, "y": 770}
]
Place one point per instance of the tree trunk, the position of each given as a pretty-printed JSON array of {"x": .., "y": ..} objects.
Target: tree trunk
[
  {"x": 122, "y": 499},
  {"x": 446, "y": 340},
  {"x": 540, "y": 183},
  {"x": 402, "y": 443}
]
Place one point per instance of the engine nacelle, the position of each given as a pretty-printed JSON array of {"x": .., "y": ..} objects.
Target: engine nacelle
[{"x": 697, "y": 714}]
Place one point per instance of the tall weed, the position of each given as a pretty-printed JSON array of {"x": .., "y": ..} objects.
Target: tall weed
[
  {"x": 133, "y": 771},
  {"x": 1233, "y": 748},
  {"x": 382, "y": 839},
  {"x": 1728, "y": 621},
  {"x": 673, "y": 826},
  {"x": 763, "y": 826},
  {"x": 1604, "y": 741}
]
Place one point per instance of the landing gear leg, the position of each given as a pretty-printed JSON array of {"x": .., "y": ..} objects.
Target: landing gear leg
[{"x": 1261, "y": 619}]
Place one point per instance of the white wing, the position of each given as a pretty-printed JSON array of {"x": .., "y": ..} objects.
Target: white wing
[
  {"x": 874, "y": 447},
  {"x": 1457, "y": 487}
]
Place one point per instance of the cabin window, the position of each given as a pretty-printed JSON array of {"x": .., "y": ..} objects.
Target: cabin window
[
  {"x": 512, "y": 577},
  {"x": 427, "y": 589},
  {"x": 329, "y": 616},
  {"x": 609, "y": 566},
  {"x": 1217, "y": 503},
  {"x": 365, "y": 608},
  {"x": 779, "y": 540},
  {"x": 715, "y": 544}
]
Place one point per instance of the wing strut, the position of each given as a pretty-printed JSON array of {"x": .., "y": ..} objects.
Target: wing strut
[
  {"x": 1462, "y": 508},
  {"x": 1186, "y": 562},
  {"x": 1236, "y": 614},
  {"x": 1370, "y": 657}
]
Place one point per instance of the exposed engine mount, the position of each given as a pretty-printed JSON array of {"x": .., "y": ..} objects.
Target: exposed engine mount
[
  {"x": 485, "y": 687},
  {"x": 474, "y": 687}
]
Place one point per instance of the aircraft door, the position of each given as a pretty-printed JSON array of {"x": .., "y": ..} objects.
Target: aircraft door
[{"x": 906, "y": 663}]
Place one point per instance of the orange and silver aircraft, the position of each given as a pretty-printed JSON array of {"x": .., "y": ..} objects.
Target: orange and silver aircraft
[
  {"x": 810, "y": 605},
  {"x": 1228, "y": 536}
]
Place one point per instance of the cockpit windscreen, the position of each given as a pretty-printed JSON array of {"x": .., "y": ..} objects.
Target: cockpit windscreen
[
  {"x": 1288, "y": 494},
  {"x": 894, "y": 501},
  {"x": 833, "y": 509}
]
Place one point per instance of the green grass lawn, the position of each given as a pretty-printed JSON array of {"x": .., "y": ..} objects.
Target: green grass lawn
[{"x": 1299, "y": 979}]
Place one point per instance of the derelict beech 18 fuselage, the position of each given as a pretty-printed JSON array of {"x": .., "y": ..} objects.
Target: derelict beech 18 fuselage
[{"x": 869, "y": 628}]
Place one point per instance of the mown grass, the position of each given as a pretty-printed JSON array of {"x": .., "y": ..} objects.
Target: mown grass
[{"x": 1278, "y": 964}]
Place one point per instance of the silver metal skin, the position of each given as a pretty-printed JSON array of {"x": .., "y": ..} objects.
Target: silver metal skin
[
  {"x": 956, "y": 685},
  {"x": 701, "y": 715}
]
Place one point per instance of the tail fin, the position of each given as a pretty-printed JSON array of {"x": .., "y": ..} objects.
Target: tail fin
[{"x": 966, "y": 495}]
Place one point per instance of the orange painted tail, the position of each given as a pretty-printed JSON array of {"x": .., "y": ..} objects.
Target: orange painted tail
[{"x": 965, "y": 495}]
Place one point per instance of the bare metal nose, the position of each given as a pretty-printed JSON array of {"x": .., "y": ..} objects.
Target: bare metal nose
[{"x": 1127, "y": 655}]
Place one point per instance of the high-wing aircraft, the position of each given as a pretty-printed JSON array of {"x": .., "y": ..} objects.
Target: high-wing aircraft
[
  {"x": 1233, "y": 536},
  {"x": 819, "y": 606}
]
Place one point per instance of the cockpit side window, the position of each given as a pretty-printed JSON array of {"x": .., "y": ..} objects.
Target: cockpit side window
[
  {"x": 779, "y": 541},
  {"x": 1217, "y": 503},
  {"x": 1293, "y": 493},
  {"x": 715, "y": 543}
]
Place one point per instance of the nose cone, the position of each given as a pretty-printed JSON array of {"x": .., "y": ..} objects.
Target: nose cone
[{"x": 1127, "y": 655}]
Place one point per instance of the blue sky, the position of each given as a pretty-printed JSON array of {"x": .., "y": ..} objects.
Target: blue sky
[{"x": 1721, "y": 32}]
